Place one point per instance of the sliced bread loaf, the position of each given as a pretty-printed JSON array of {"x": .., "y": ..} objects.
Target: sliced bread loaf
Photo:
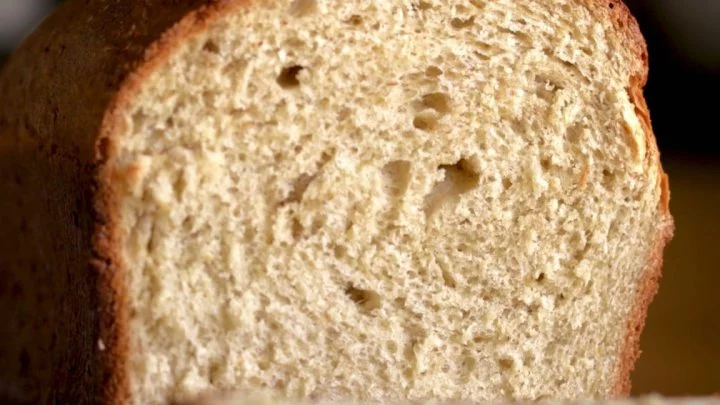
[{"x": 372, "y": 199}]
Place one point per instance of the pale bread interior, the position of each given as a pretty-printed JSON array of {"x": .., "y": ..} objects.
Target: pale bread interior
[{"x": 387, "y": 199}]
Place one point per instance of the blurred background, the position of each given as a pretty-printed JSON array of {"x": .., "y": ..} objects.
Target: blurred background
[{"x": 681, "y": 342}]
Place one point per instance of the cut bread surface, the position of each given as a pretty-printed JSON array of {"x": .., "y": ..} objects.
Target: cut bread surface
[
  {"x": 387, "y": 199},
  {"x": 381, "y": 200}
]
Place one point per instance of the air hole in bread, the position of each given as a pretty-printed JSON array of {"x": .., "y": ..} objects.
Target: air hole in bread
[
  {"x": 608, "y": 177},
  {"x": 480, "y": 338},
  {"x": 343, "y": 114},
  {"x": 296, "y": 229},
  {"x": 366, "y": 300},
  {"x": 478, "y": 4},
  {"x": 507, "y": 183},
  {"x": 459, "y": 178},
  {"x": 409, "y": 355},
  {"x": 249, "y": 234},
  {"x": 528, "y": 358},
  {"x": 523, "y": 37},
  {"x": 439, "y": 102},
  {"x": 397, "y": 177},
  {"x": 188, "y": 224},
  {"x": 425, "y": 121},
  {"x": 520, "y": 36},
  {"x": 209, "y": 97},
  {"x": 317, "y": 224},
  {"x": 545, "y": 88},
  {"x": 505, "y": 363},
  {"x": 460, "y": 9},
  {"x": 576, "y": 239},
  {"x": 485, "y": 47},
  {"x": 211, "y": 46},
  {"x": 423, "y": 5},
  {"x": 299, "y": 8},
  {"x": 355, "y": 20},
  {"x": 540, "y": 277},
  {"x": 574, "y": 133},
  {"x": 481, "y": 56},
  {"x": 448, "y": 279},
  {"x": 288, "y": 77},
  {"x": 339, "y": 251},
  {"x": 298, "y": 189},
  {"x": 459, "y": 23},
  {"x": 433, "y": 71}
]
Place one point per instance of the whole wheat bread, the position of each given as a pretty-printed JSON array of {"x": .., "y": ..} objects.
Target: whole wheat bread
[{"x": 372, "y": 199}]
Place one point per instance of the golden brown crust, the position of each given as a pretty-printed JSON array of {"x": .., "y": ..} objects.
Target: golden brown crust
[
  {"x": 646, "y": 292},
  {"x": 113, "y": 296},
  {"x": 628, "y": 28},
  {"x": 70, "y": 80}
]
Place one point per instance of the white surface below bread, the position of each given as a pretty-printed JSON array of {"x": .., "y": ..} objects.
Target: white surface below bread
[{"x": 268, "y": 399}]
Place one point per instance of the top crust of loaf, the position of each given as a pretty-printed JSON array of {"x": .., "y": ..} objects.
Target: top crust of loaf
[
  {"x": 88, "y": 60},
  {"x": 627, "y": 25}
]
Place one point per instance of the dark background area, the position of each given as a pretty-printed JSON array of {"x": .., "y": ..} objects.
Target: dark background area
[
  {"x": 681, "y": 343},
  {"x": 683, "y": 39}
]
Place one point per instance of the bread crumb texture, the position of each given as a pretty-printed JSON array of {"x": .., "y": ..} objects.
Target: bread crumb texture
[{"x": 387, "y": 199}]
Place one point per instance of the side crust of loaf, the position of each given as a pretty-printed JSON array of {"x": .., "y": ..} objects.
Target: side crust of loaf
[
  {"x": 646, "y": 293},
  {"x": 115, "y": 387},
  {"x": 159, "y": 30},
  {"x": 627, "y": 24}
]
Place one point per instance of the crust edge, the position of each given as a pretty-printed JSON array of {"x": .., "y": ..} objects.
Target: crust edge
[
  {"x": 626, "y": 24},
  {"x": 114, "y": 384}
]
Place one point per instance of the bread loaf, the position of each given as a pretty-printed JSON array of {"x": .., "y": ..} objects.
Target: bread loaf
[{"x": 397, "y": 199}]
